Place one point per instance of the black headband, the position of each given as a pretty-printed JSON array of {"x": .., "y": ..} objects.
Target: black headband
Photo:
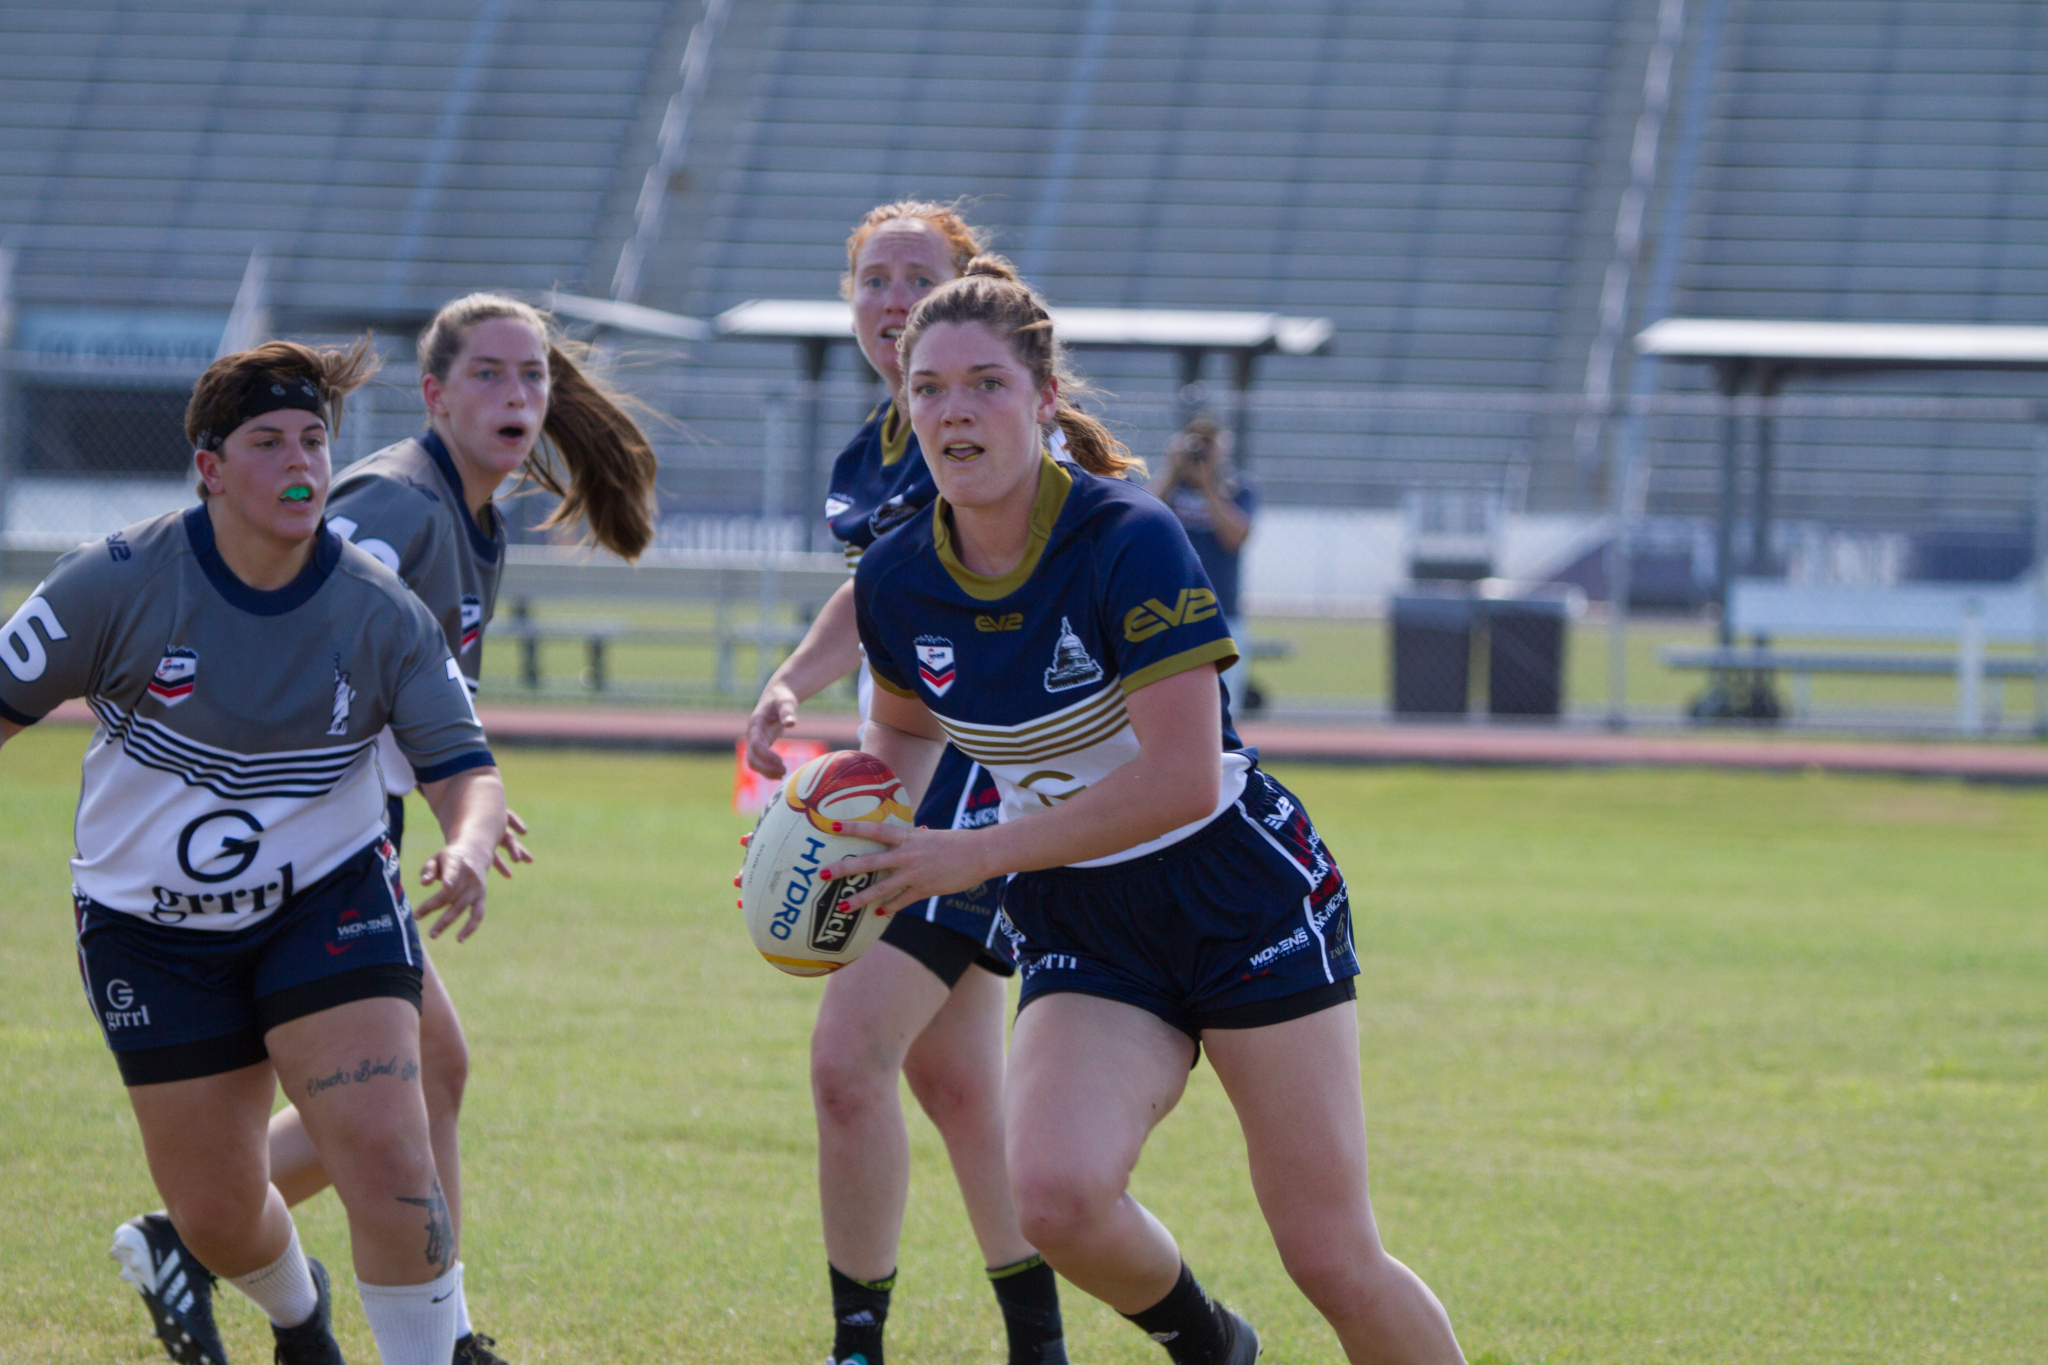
[{"x": 268, "y": 393}]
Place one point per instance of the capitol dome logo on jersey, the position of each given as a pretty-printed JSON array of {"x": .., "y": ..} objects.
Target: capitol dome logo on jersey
[
  {"x": 175, "y": 674},
  {"x": 1072, "y": 665},
  {"x": 935, "y": 663}
]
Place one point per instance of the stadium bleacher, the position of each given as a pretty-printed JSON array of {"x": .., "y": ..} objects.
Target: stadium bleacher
[{"x": 1439, "y": 180}]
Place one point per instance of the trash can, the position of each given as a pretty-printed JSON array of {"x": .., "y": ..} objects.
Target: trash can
[
  {"x": 1525, "y": 656},
  {"x": 1432, "y": 647}
]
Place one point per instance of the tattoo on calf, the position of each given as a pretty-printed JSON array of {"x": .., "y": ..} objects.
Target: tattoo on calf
[
  {"x": 366, "y": 1070},
  {"x": 440, "y": 1229}
]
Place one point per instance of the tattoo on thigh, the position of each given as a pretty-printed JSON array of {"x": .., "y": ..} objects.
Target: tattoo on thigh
[
  {"x": 369, "y": 1069},
  {"x": 440, "y": 1229}
]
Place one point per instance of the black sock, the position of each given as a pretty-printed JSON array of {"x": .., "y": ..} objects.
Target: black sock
[
  {"x": 1185, "y": 1323},
  {"x": 859, "y": 1310},
  {"x": 1029, "y": 1295}
]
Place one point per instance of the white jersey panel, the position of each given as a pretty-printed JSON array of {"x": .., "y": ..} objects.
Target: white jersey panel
[
  {"x": 1065, "y": 752},
  {"x": 247, "y": 830}
]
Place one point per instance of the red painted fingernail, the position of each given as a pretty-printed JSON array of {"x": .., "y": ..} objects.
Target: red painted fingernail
[
  {"x": 739, "y": 905},
  {"x": 838, "y": 828},
  {"x": 735, "y": 881}
]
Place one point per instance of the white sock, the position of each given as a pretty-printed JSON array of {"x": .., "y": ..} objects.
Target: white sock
[
  {"x": 414, "y": 1324},
  {"x": 462, "y": 1327},
  {"x": 284, "y": 1288}
]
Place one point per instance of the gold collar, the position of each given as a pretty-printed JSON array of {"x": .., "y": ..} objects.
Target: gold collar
[
  {"x": 1054, "y": 482},
  {"x": 895, "y": 435}
]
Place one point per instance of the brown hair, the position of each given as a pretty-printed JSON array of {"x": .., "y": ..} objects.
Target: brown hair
[
  {"x": 963, "y": 241},
  {"x": 594, "y": 456},
  {"x": 215, "y": 409},
  {"x": 217, "y": 397},
  {"x": 990, "y": 293}
]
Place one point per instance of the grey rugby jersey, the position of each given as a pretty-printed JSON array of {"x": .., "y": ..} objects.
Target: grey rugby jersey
[
  {"x": 405, "y": 505},
  {"x": 235, "y": 756}
]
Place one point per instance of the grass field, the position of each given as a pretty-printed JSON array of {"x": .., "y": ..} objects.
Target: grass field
[{"x": 1659, "y": 1067}]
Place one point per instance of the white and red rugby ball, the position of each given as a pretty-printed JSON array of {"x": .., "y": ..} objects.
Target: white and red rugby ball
[{"x": 798, "y": 920}]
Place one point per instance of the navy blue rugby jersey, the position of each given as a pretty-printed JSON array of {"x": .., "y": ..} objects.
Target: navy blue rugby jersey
[
  {"x": 878, "y": 482},
  {"x": 1028, "y": 672}
]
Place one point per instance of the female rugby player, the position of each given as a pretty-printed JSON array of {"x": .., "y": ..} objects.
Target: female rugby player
[
  {"x": 928, "y": 1002},
  {"x": 241, "y": 915},
  {"x": 496, "y": 377},
  {"x": 1169, "y": 894}
]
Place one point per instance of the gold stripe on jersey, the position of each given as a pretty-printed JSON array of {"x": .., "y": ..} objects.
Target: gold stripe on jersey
[
  {"x": 1066, "y": 731},
  {"x": 1216, "y": 651},
  {"x": 892, "y": 688},
  {"x": 895, "y": 436},
  {"x": 1053, "y": 485}
]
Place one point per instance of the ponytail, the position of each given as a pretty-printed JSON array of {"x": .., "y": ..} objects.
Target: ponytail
[
  {"x": 592, "y": 455},
  {"x": 990, "y": 292},
  {"x": 595, "y": 459}
]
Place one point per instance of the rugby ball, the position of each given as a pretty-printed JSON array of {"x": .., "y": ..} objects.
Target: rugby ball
[{"x": 797, "y": 919}]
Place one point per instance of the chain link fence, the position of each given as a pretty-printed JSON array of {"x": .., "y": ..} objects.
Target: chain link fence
[{"x": 95, "y": 441}]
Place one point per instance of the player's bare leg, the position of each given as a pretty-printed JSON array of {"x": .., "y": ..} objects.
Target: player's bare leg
[
  {"x": 354, "y": 1071},
  {"x": 872, "y": 1011},
  {"x": 1304, "y": 1129},
  {"x": 955, "y": 1069},
  {"x": 371, "y": 1133},
  {"x": 1089, "y": 1080},
  {"x": 204, "y": 1142},
  {"x": 444, "y": 1072}
]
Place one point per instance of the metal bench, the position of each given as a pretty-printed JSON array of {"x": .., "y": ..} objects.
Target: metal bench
[
  {"x": 1967, "y": 616},
  {"x": 521, "y": 626},
  {"x": 1802, "y": 664}
]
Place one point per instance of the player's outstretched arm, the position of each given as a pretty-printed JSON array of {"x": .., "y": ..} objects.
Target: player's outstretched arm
[
  {"x": 830, "y": 650},
  {"x": 1174, "y": 781},
  {"x": 471, "y": 809}
]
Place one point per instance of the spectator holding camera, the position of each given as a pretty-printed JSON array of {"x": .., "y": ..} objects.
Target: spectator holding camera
[{"x": 1215, "y": 505}]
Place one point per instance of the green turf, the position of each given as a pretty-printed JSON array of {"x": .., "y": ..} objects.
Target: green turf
[{"x": 1659, "y": 1067}]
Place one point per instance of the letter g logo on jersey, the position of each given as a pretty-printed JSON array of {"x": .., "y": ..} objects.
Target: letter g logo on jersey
[{"x": 222, "y": 834}]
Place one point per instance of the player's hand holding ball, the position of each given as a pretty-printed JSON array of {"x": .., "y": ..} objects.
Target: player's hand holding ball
[
  {"x": 801, "y": 919},
  {"x": 913, "y": 865}
]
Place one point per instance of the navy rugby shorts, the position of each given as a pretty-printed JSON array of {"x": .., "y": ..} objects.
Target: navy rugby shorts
[
  {"x": 949, "y": 934},
  {"x": 176, "y": 1004},
  {"x": 1244, "y": 923}
]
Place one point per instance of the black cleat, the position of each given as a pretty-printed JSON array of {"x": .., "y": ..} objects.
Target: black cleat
[
  {"x": 1242, "y": 1343},
  {"x": 475, "y": 1349},
  {"x": 177, "y": 1289},
  {"x": 312, "y": 1341}
]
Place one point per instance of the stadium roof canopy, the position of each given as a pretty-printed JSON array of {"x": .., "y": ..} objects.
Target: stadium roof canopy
[
  {"x": 1765, "y": 352},
  {"x": 1843, "y": 347},
  {"x": 1120, "y": 329}
]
